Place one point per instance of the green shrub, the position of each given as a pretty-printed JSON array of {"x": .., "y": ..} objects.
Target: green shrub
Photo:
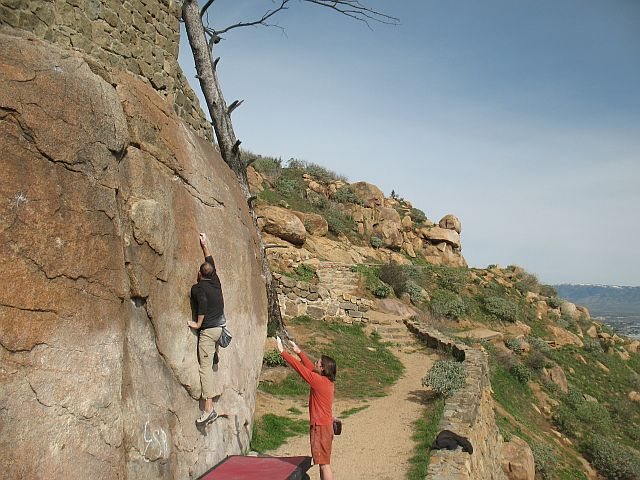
[
  {"x": 288, "y": 187},
  {"x": 593, "y": 345},
  {"x": 545, "y": 460},
  {"x": 318, "y": 201},
  {"x": 376, "y": 242},
  {"x": 414, "y": 290},
  {"x": 612, "y": 460},
  {"x": 447, "y": 303},
  {"x": 595, "y": 415},
  {"x": 565, "y": 420},
  {"x": 338, "y": 222},
  {"x": 346, "y": 195},
  {"x": 514, "y": 344},
  {"x": 305, "y": 272},
  {"x": 548, "y": 291},
  {"x": 591, "y": 415},
  {"x": 538, "y": 344},
  {"x": 381, "y": 290},
  {"x": 521, "y": 373},
  {"x": 536, "y": 360},
  {"x": 395, "y": 276},
  {"x": 501, "y": 308},
  {"x": 417, "y": 216},
  {"x": 268, "y": 166},
  {"x": 554, "y": 302},
  {"x": 376, "y": 286},
  {"x": 551, "y": 387},
  {"x": 568, "y": 323},
  {"x": 527, "y": 282},
  {"x": 574, "y": 398},
  {"x": 445, "y": 377},
  {"x": 319, "y": 172},
  {"x": 453, "y": 279},
  {"x": 272, "y": 358}
]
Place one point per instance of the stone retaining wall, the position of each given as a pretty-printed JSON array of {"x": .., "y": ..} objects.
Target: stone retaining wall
[
  {"x": 302, "y": 298},
  {"x": 138, "y": 36},
  {"x": 468, "y": 412}
]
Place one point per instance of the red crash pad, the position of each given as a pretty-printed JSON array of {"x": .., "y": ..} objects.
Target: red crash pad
[{"x": 238, "y": 467}]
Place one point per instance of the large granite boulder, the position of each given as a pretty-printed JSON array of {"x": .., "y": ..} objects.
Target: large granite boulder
[
  {"x": 438, "y": 234},
  {"x": 570, "y": 309},
  {"x": 314, "y": 224},
  {"x": 450, "y": 222},
  {"x": 255, "y": 179},
  {"x": 281, "y": 223},
  {"x": 369, "y": 194},
  {"x": 561, "y": 337},
  {"x": 387, "y": 214},
  {"x": 556, "y": 375},
  {"x": 104, "y": 191},
  {"x": 390, "y": 233},
  {"x": 517, "y": 460}
]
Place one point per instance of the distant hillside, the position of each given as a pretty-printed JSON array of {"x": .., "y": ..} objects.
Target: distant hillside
[{"x": 603, "y": 300}]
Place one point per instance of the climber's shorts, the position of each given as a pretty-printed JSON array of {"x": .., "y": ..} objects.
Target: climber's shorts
[{"x": 321, "y": 437}]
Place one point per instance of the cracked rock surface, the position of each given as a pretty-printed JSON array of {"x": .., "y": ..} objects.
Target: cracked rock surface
[{"x": 102, "y": 194}]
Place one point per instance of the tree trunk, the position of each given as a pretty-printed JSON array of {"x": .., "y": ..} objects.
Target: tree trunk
[{"x": 227, "y": 141}]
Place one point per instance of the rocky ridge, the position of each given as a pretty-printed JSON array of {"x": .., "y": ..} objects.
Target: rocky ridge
[{"x": 384, "y": 230}]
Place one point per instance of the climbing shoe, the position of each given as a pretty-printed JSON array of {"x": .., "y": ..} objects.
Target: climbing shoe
[
  {"x": 207, "y": 417},
  {"x": 215, "y": 358}
]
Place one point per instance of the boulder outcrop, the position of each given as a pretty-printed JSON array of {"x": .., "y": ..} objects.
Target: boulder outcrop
[
  {"x": 314, "y": 224},
  {"x": 517, "y": 460},
  {"x": 450, "y": 222},
  {"x": 104, "y": 190},
  {"x": 369, "y": 194},
  {"x": 281, "y": 223}
]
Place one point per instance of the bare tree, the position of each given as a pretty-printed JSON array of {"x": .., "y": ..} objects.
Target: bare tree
[{"x": 202, "y": 39}]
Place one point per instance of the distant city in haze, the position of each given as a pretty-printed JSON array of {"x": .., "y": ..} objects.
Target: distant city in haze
[
  {"x": 618, "y": 306},
  {"x": 521, "y": 118}
]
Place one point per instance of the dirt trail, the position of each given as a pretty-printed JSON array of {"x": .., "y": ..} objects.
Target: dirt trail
[{"x": 376, "y": 442}]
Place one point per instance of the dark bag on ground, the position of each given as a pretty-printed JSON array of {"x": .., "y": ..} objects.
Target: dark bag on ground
[
  {"x": 449, "y": 440},
  {"x": 337, "y": 426},
  {"x": 225, "y": 338}
]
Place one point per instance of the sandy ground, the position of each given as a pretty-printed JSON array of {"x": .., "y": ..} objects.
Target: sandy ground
[{"x": 376, "y": 442}]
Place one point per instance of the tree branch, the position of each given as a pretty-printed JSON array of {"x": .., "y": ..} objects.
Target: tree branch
[
  {"x": 261, "y": 21},
  {"x": 354, "y": 9},
  {"x": 235, "y": 104},
  {"x": 350, "y": 8},
  {"x": 205, "y": 7},
  {"x": 250, "y": 161}
]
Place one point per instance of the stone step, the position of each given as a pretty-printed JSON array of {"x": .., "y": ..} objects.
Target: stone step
[{"x": 390, "y": 329}]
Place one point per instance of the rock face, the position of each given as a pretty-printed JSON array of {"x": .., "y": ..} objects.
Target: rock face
[
  {"x": 138, "y": 37},
  {"x": 557, "y": 376},
  {"x": 281, "y": 223},
  {"x": 564, "y": 337},
  {"x": 450, "y": 222},
  {"x": 103, "y": 192},
  {"x": 517, "y": 460},
  {"x": 314, "y": 224},
  {"x": 369, "y": 194}
]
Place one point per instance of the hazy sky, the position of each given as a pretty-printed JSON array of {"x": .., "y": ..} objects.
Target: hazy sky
[{"x": 520, "y": 117}]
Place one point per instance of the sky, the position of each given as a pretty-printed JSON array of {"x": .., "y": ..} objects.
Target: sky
[{"x": 520, "y": 117}]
